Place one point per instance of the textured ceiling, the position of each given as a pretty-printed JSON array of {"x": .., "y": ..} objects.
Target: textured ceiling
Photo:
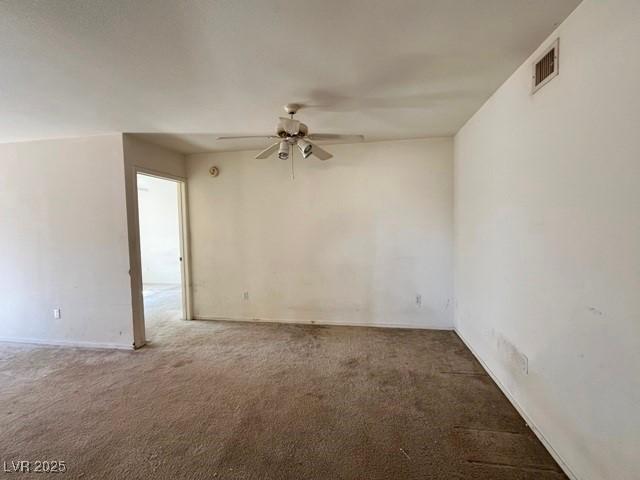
[{"x": 386, "y": 69}]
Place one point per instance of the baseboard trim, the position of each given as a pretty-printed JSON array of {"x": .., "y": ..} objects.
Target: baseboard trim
[
  {"x": 65, "y": 343},
  {"x": 322, "y": 322},
  {"x": 530, "y": 423}
]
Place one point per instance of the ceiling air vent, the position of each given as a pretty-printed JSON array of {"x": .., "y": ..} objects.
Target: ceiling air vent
[{"x": 546, "y": 67}]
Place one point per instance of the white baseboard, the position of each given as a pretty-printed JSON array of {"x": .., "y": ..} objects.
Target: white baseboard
[
  {"x": 65, "y": 343},
  {"x": 322, "y": 322},
  {"x": 530, "y": 423}
]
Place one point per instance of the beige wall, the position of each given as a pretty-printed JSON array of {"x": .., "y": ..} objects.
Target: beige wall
[
  {"x": 548, "y": 241},
  {"x": 64, "y": 243},
  {"x": 352, "y": 240},
  {"x": 69, "y": 213},
  {"x": 153, "y": 157}
]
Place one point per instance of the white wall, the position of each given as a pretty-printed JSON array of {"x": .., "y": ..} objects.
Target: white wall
[
  {"x": 64, "y": 242},
  {"x": 352, "y": 240},
  {"x": 159, "y": 230},
  {"x": 152, "y": 158},
  {"x": 149, "y": 156},
  {"x": 547, "y": 241}
]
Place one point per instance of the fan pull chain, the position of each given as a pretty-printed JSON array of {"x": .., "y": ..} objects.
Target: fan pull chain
[{"x": 293, "y": 174}]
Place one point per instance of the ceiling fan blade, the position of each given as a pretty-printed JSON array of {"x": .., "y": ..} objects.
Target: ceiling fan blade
[
  {"x": 268, "y": 151},
  {"x": 319, "y": 152},
  {"x": 289, "y": 125},
  {"x": 246, "y": 136},
  {"x": 335, "y": 136}
]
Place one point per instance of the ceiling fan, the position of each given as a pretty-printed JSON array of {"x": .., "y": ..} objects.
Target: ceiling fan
[{"x": 290, "y": 132}]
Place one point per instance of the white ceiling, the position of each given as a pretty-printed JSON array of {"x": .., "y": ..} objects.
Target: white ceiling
[{"x": 386, "y": 69}]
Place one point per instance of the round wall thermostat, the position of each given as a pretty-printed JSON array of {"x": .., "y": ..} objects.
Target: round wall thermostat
[{"x": 214, "y": 172}]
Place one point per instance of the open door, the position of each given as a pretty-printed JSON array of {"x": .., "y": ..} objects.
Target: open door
[{"x": 163, "y": 260}]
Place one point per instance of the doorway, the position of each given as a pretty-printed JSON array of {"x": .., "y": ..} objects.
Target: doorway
[{"x": 160, "y": 220}]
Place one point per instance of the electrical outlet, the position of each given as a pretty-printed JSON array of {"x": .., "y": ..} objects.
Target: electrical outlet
[
  {"x": 56, "y": 313},
  {"x": 245, "y": 296}
]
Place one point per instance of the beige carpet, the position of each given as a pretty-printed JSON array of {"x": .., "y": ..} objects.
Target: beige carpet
[{"x": 264, "y": 401}]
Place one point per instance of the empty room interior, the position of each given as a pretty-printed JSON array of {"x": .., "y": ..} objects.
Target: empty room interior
[
  {"x": 338, "y": 239},
  {"x": 159, "y": 219}
]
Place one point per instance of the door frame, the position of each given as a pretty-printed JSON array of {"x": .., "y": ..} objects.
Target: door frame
[{"x": 183, "y": 219}]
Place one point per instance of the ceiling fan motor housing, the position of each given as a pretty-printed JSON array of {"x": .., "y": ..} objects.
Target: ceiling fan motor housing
[
  {"x": 290, "y": 132},
  {"x": 282, "y": 133}
]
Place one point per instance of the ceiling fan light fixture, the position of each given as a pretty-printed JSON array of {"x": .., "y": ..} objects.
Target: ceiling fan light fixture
[
  {"x": 290, "y": 132},
  {"x": 305, "y": 148},
  {"x": 283, "y": 150}
]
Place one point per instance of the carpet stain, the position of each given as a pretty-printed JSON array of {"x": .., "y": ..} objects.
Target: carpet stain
[{"x": 181, "y": 363}]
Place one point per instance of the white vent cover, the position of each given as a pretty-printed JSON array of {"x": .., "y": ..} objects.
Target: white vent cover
[{"x": 546, "y": 67}]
